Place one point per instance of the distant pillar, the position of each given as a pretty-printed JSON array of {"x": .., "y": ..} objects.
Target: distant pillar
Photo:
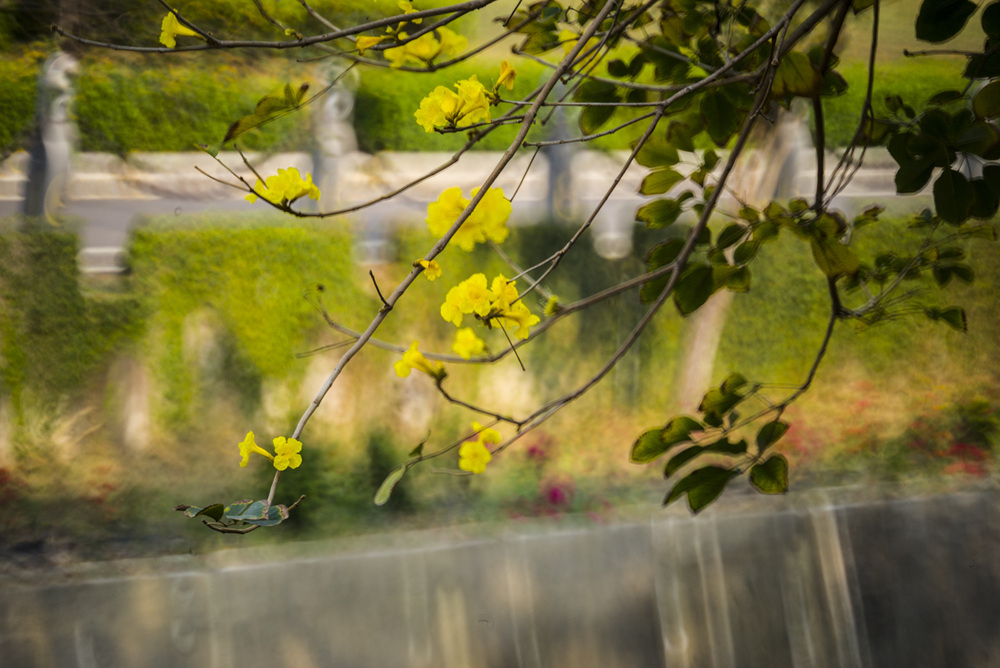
[
  {"x": 54, "y": 137},
  {"x": 559, "y": 158},
  {"x": 335, "y": 137}
]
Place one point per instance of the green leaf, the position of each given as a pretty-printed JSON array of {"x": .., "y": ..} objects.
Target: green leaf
[
  {"x": 771, "y": 476},
  {"x": 389, "y": 484},
  {"x": 693, "y": 288},
  {"x": 617, "y": 68},
  {"x": 214, "y": 511},
  {"x": 796, "y": 76},
  {"x": 983, "y": 66},
  {"x": 945, "y": 97},
  {"x": 954, "y": 316},
  {"x": 702, "y": 486},
  {"x": 770, "y": 434},
  {"x": 834, "y": 84},
  {"x": 952, "y": 196},
  {"x": 593, "y": 90},
  {"x": 679, "y": 460},
  {"x": 832, "y": 257},
  {"x": 660, "y": 181},
  {"x": 733, "y": 382},
  {"x": 734, "y": 279},
  {"x": 985, "y": 201},
  {"x": 664, "y": 253},
  {"x": 267, "y": 109},
  {"x": 243, "y": 511},
  {"x": 660, "y": 256},
  {"x": 709, "y": 160},
  {"x": 680, "y": 135},
  {"x": 893, "y": 103},
  {"x": 731, "y": 235},
  {"x": 657, "y": 153},
  {"x": 749, "y": 214},
  {"x": 653, "y": 443},
  {"x": 991, "y": 20},
  {"x": 746, "y": 252},
  {"x": 986, "y": 103},
  {"x": 940, "y": 20},
  {"x": 721, "y": 119},
  {"x": 275, "y": 515},
  {"x": 726, "y": 447},
  {"x": 659, "y": 213},
  {"x": 593, "y": 118},
  {"x": 912, "y": 176}
]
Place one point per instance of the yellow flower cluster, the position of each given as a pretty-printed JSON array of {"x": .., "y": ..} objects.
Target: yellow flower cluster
[
  {"x": 446, "y": 109},
  {"x": 284, "y": 187},
  {"x": 467, "y": 344},
  {"x": 487, "y": 222},
  {"x": 170, "y": 28},
  {"x": 414, "y": 359},
  {"x": 497, "y": 303},
  {"x": 424, "y": 50},
  {"x": 473, "y": 456},
  {"x": 432, "y": 269},
  {"x": 440, "y": 42},
  {"x": 286, "y": 452}
]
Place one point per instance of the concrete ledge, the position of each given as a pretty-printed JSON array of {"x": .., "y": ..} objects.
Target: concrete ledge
[{"x": 900, "y": 583}]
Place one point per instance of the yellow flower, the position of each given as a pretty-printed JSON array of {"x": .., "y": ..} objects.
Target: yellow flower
[
  {"x": 249, "y": 445},
  {"x": 284, "y": 187},
  {"x": 506, "y": 77},
  {"x": 475, "y": 296},
  {"x": 487, "y": 222},
  {"x": 287, "y": 451},
  {"x": 437, "y": 110},
  {"x": 499, "y": 302},
  {"x": 414, "y": 359},
  {"x": 432, "y": 269},
  {"x": 520, "y": 317},
  {"x": 486, "y": 435},
  {"x": 473, "y": 456},
  {"x": 552, "y": 306},
  {"x": 407, "y": 8},
  {"x": 444, "y": 109},
  {"x": 439, "y": 43},
  {"x": 491, "y": 215},
  {"x": 451, "y": 310},
  {"x": 170, "y": 28},
  {"x": 502, "y": 293},
  {"x": 365, "y": 42},
  {"x": 467, "y": 344}
]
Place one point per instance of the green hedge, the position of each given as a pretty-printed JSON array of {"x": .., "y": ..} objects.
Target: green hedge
[
  {"x": 150, "y": 104},
  {"x": 915, "y": 80},
  {"x": 251, "y": 272},
  {"x": 387, "y": 99},
  {"x": 54, "y": 334},
  {"x": 18, "y": 76}
]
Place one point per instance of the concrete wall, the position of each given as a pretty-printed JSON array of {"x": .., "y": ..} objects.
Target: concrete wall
[{"x": 899, "y": 583}]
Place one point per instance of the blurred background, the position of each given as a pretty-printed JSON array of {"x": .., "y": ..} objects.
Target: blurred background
[{"x": 150, "y": 317}]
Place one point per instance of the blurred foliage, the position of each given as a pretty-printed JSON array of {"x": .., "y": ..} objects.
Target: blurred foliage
[
  {"x": 250, "y": 274},
  {"x": 19, "y": 70},
  {"x": 128, "y": 105},
  {"x": 213, "y": 306},
  {"x": 914, "y": 80},
  {"x": 953, "y": 439},
  {"x": 55, "y": 336},
  {"x": 386, "y": 100}
]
